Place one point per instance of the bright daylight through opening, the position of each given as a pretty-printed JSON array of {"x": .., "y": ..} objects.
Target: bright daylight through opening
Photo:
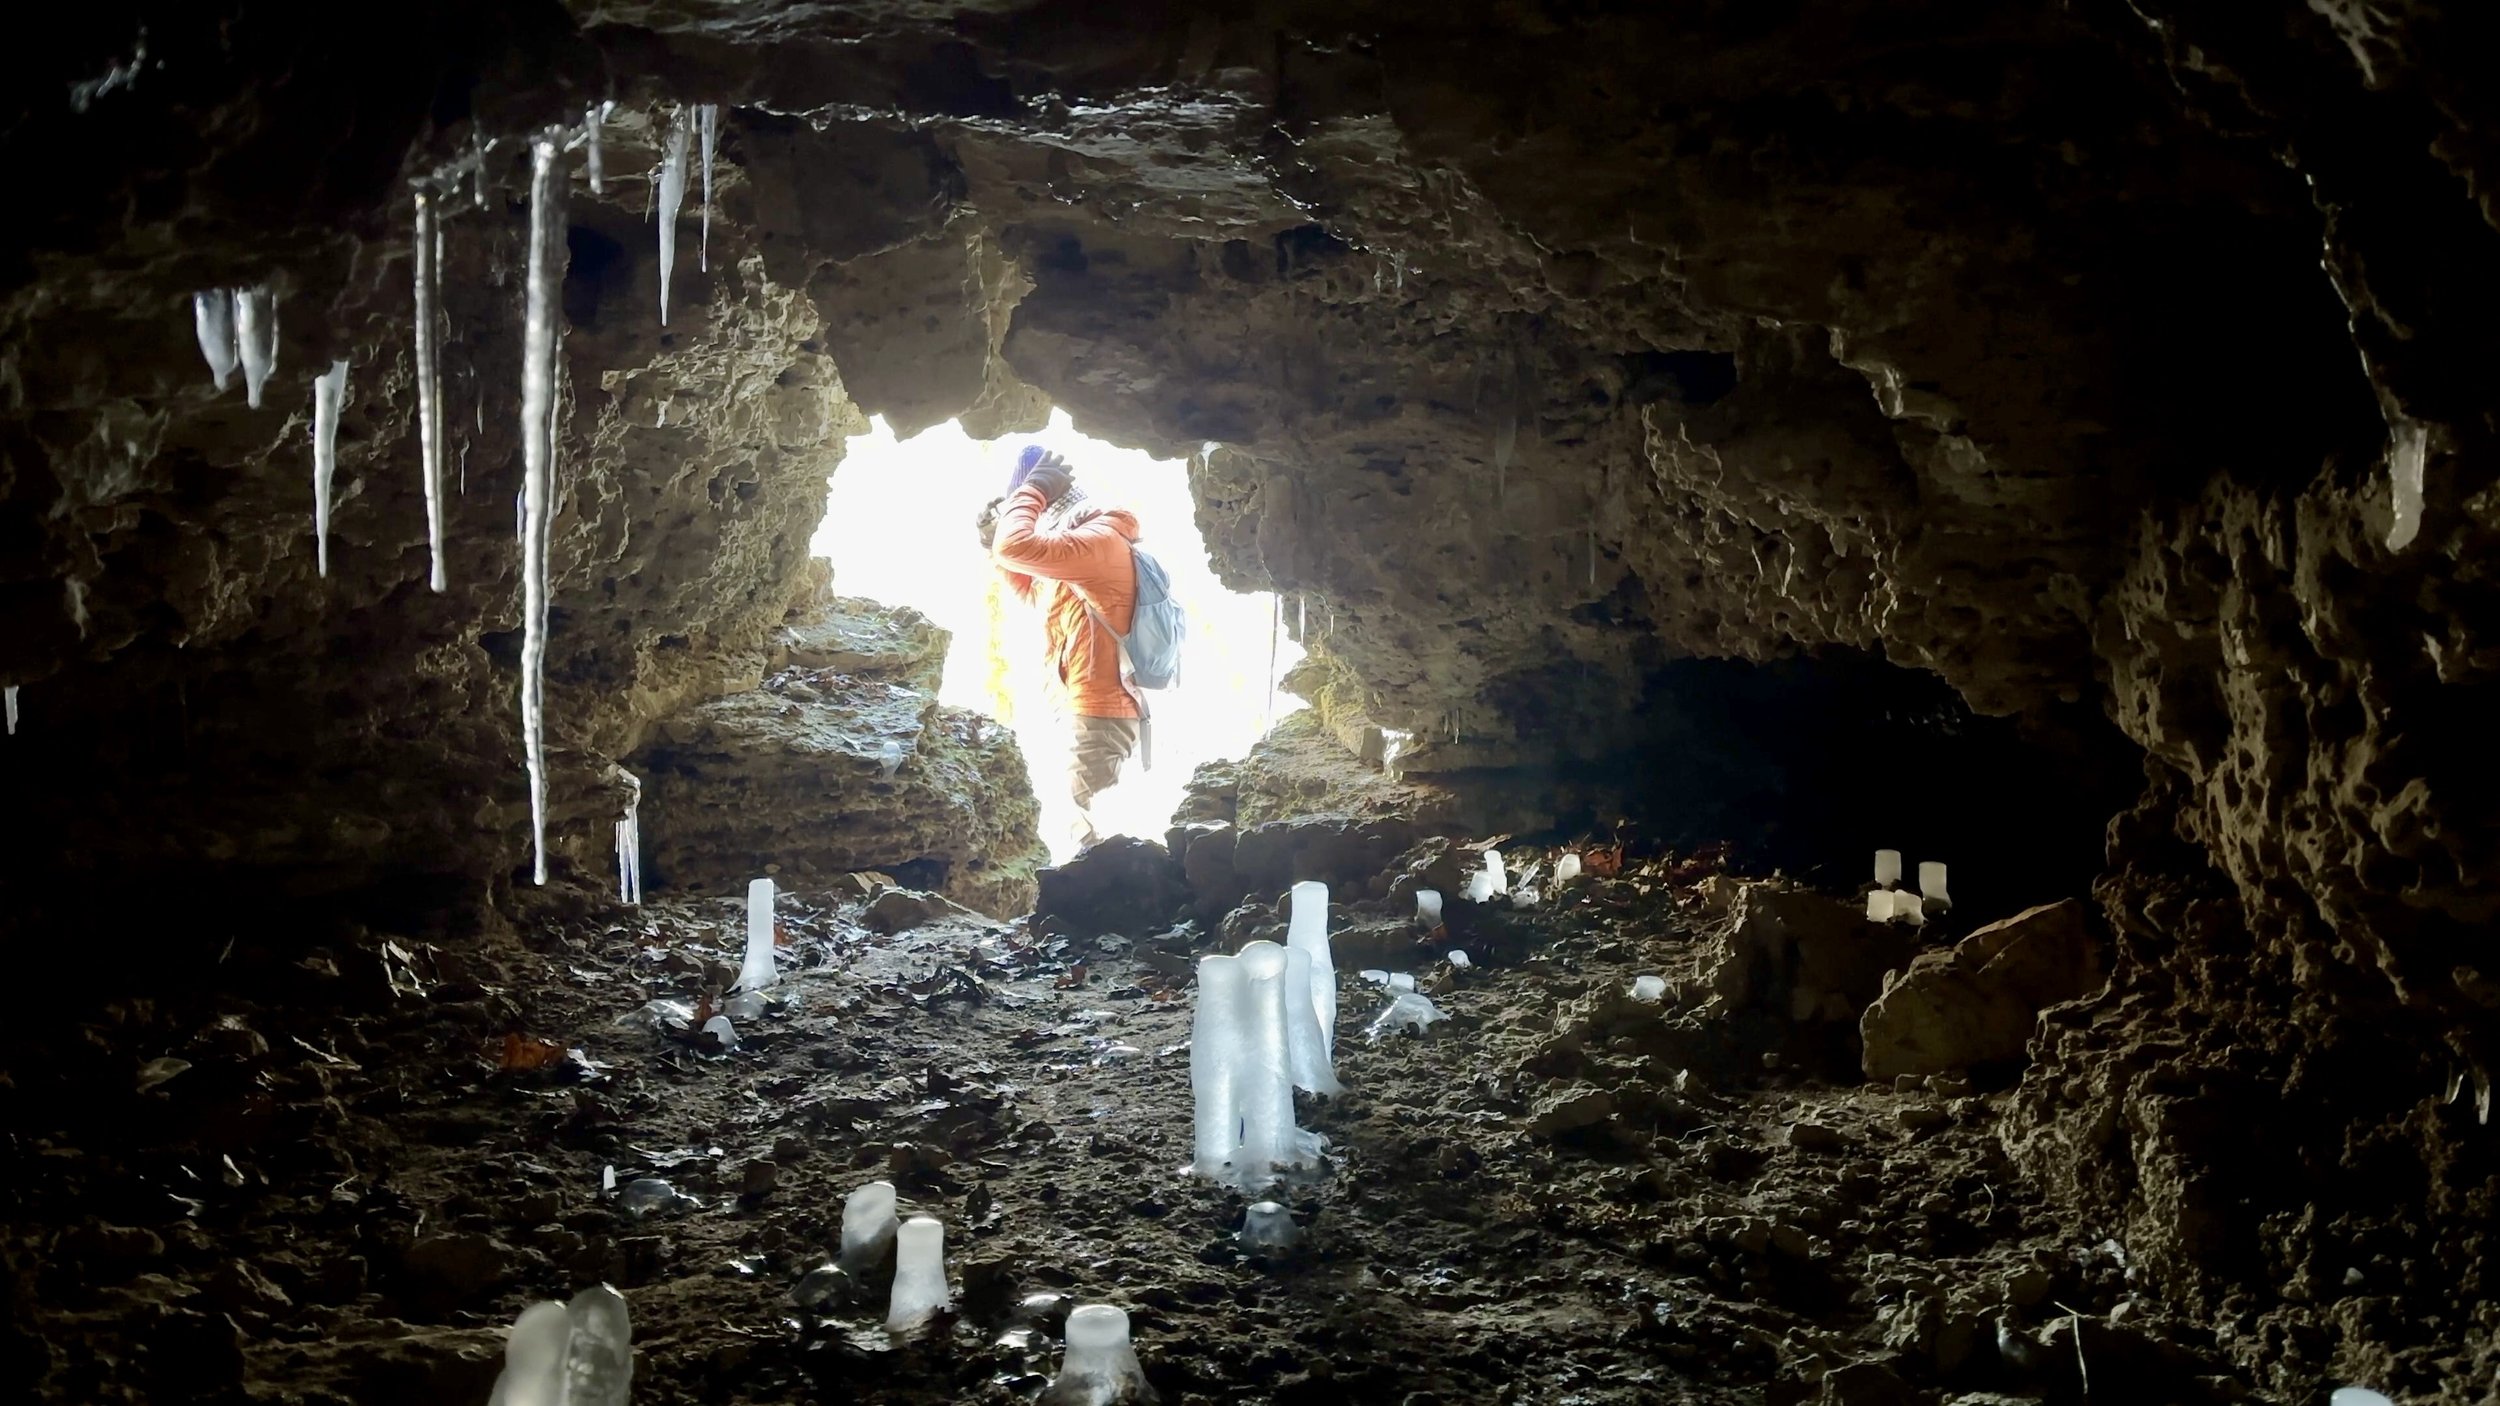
[{"x": 900, "y": 529}]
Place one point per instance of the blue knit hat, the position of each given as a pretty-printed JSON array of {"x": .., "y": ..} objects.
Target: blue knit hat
[{"x": 1026, "y": 458}]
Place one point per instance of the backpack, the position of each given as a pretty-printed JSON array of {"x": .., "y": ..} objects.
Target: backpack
[{"x": 1151, "y": 650}]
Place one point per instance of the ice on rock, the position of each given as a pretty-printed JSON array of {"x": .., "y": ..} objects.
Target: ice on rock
[
  {"x": 719, "y": 1028},
  {"x": 756, "y": 972},
  {"x": 1649, "y": 990},
  {"x": 1566, "y": 869},
  {"x": 426, "y": 246},
  {"x": 1490, "y": 881},
  {"x": 2357, "y": 1396},
  {"x": 1907, "y": 908},
  {"x": 1493, "y": 866},
  {"x": 1879, "y": 905},
  {"x": 1268, "y": 1226},
  {"x": 919, "y": 1275},
  {"x": 1526, "y": 898},
  {"x": 1398, "y": 981},
  {"x": 212, "y": 318},
  {"x": 746, "y": 1005},
  {"x": 868, "y": 1227},
  {"x": 538, "y": 398},
  {"x": 255, "y": 339},
  {"x": 329, "y": 392},
  {"x": 1408, "y": 1010},
  {"x": 1931, "y": 888},
  {"x": 1479, "y": 887},
  {"x": 577, "y": 1354},
  {"x": 672, "y": 199},
  {"x": 1887, "y": 868},
  {"x": 1458, "y": 958},
  {"x": 1100, "y": 1368},
  {"x": 2404, "y": 471},
  {"x": 1428, "y": 907},
  {"x": 629, "y": 843}
]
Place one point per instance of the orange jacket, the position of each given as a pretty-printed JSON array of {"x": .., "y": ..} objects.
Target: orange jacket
[{"x": 1065, "y": 569}]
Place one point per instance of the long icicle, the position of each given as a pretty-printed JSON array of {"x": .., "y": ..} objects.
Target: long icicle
[
  {"x": 708, "y": 117},
  {"x": 329, "y": 392},
  {"x": 430, "y": 378},
  {"x": 672, "y": 199},
  {"x": 538, "y": 387}
]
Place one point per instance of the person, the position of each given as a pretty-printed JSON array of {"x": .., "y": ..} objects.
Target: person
[{"x": 1072, "y": 559}]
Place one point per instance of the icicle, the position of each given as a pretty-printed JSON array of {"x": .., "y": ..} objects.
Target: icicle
[
  {"x": 2404, "y": 470},
  {"x": 629, "y": 843},
  {"x": 329, "y": 391},
  {"x": 538, "y": 386},
  {"x": 430, "y": 378},
  {"x": 708, "y": 118},
  {"x": 590, "y": 135},
  {"x": 212, "y": 317},
  {"x": 1505, "y": 441},
  {"x": 1302, "y": 629},
  {"x": 10, "y": 695},
  {"x": 1592, "y": 553},
  {"x": 256, "y": 339},
  {"x": 672, "y": 196}
]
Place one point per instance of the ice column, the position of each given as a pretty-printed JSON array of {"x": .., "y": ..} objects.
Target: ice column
[
  {"x": 8, "y": 698},
  {"x": 255, "y": 339},
  {"x": 629, "y": 844},
  {"x": 430, "y": 376},
  {"x": 707, "y": 118},
  {"x": 581, "y": 1354},
  {"x": 1428, "y": 906},
  {"x": 591, "y": 119},
  {"x": 1887, "y": 867},
  {"x": 212, "y": 317},
  {"x": 1215, "y": 1057},
  {"x": 919, "y": 1275},
  {"x": 538, "y": 396},
  {"x": 1879, "y": 906},
  {"x": 1313, "y": 1068},
  {"x": 1100, "y": 1368},
  {"x": 756, "y": 972},
  {"x": 1566, "y": 869},
  {"x": 1493, "y": 866},
  {"x": 329, "y": 390},
  {"x": 1269, "y": 1137},
  {"x": 1931, "y": 883},
  {"x": 672, "y": 198},
  {"x": 868, "y": 1226},
  {"x": 1307, "y": 931}
]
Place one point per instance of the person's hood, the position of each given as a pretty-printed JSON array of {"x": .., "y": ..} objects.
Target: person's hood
[{"x": 1121, "y": 520}]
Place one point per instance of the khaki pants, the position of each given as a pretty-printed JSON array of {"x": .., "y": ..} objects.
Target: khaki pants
[{"x": 1101, "y": 747}]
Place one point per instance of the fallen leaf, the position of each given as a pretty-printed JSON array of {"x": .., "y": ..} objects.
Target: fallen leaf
[{"x": 526, "y": 1054}]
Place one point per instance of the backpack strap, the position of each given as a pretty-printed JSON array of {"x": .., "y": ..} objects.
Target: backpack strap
[{"x": 1128, "y": 672}]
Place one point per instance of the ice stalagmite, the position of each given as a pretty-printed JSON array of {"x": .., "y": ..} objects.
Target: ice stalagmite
[
  {"x": 577, "y": 1354},
  {"x": 212, "y": 317},
  {"x": 707, "y": 117},
  {"x": 255, "y": 339},
  {"x": 1100, "y": 1368},
  {"x": 538, "y": 398},
  {"x": 1308, "y": 932},
  {"x": 868, "y": 1226},
  {"x": 629, "y": 843},
  {"x": 1269, "y": 1137},
  {"x": 756, "y": 971},
  {"x": 590, "y": 147},
  {"x": 1214, "y": 1057},
  {"x": 329, "y": 391},
  {"x": 8, "y": 699},
  {"x": 919, "y": 1275},
  {"x": 2404, "y": 471},
  {"x": 1312, "y": 1068},
  {"x": 672, "y": 197},
  {"x": 430, "y": 378}
]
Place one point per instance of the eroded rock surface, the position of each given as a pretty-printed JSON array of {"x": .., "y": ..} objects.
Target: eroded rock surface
[{"x": 1978, "y": 1003}]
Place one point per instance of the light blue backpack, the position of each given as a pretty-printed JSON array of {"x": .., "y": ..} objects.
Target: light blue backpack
[{"x": 1150, "y": 653}]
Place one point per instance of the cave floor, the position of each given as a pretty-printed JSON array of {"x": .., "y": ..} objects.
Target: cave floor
[{"x": 352, "y": 1186}]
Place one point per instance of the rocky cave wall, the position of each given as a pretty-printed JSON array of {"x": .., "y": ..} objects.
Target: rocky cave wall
[{"x": 2059, "y": 351}]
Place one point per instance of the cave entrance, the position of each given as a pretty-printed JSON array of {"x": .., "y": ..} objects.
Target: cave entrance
[{"x": 899, "y": 529}]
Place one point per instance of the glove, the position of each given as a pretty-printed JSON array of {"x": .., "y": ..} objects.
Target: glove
[
  {"x": 1026, "y": 458},
  {"x": 1052, "y": 476}
]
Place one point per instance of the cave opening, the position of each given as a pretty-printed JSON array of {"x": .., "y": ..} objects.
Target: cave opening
[{"x": 1875, "y": 617}]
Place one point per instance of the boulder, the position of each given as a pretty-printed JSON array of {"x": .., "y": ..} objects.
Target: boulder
[
  {"x": 1797, "y": 954},
  {"x": 1123, "y": 885},
  {"x": 854, "y": 636},
  {"x": 1975, "y": 1005},
  {"x": 900, "y": 910}
]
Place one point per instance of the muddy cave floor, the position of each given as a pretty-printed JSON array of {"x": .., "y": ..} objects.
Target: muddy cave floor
[{"x": 349, "y": 1191}]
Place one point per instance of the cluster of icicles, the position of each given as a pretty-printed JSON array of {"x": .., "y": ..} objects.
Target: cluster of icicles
[{"x": 238, "y": 329}]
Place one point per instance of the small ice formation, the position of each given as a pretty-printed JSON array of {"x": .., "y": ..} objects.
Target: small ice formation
[
  {"x": 1566, "y": 869},
  {"x": 329, "y": 393},
  {"x": 1490, "y": 881},
  {"x": 1908, "y": 908},
  {"x": 1241, "y": 1070},
  {"x": 212, "y": 318},
  {"x": 868, "y": 1227},
  {"x": 719, "y": 1028},
  {"x": 2357, "y": 1396},
  {"x": 1100, "y": 1368},
  {"x": 1887, "y": 868},
  {"x": 1458, "y": 958},
  {"x": 746, "y": 1005},
  {"x": 255, "y": 339},
  {"x": 1428, "y": 907},
  {"x": 756, "y": 971},
  {"x": 672, "y": 199},
  {"x": 1649, "y": 990},
  {"x": 576, "y": 1354},
  {"x": 1408, "y": 1010},
  {"x": 1268, "y": 1226},
  {"x": 707, "y": 120},
  {"x": 2404, "y": 471},
  {"x": 1307, "y": 931},
  {"x": 1313, "y": 1069},
  {"x": 1931, "y": 888},
  {"x": 919, "y": 1275},
  {"x": 1526, "y": 898},
  {"x": 1879, "y": 905},
  {"x": 628, "y": 840},
  {"x": 8, "y": 700}
]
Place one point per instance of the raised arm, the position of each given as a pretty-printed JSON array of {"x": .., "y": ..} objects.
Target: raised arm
[{"x": 1024, "y": 547}]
